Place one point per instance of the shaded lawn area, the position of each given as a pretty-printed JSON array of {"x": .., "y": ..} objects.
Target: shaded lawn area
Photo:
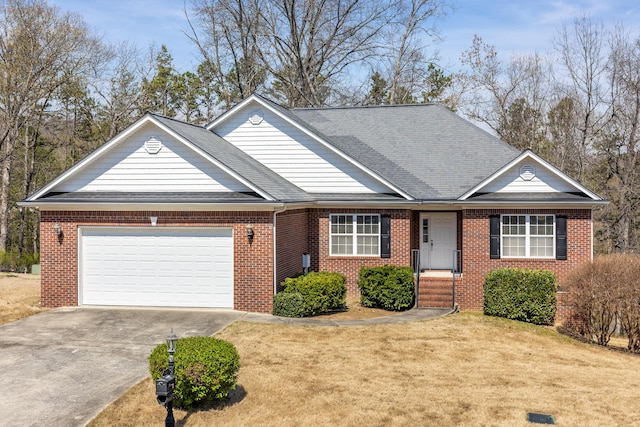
[{"x": 465, "y": 369}]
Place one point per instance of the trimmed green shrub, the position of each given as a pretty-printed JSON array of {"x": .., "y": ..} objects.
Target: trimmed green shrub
[
  {"x": 206, "y": 369},
  {"x": 388, "y": 287},
  {"x": 288, "y": 304},
  {"x": 527, "y": 295},
  {"x": 321, "y": 291}
]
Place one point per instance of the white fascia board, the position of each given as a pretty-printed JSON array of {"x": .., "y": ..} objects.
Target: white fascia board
[
  {"x": 564, "y": 177},
  {"x": 588, "y": 204},
  {"x": 297, "y": 125},
  {"x": 164, "y": 207},
  {"x": 409, "y": 204},
  {"x": 147, "y": 118},
  {"x": 230, "y": 112}
]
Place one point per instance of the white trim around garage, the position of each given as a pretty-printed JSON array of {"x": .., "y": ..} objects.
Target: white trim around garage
[{"x": 156, "y": 266}]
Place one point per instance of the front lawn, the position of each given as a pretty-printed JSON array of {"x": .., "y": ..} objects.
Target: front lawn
[
  {"x": 19, "y": 296},
  {"x": 465, "y": 369}
]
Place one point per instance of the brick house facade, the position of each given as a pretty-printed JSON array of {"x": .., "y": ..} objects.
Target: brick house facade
[
  {"x": 253, "y": 266},
  {"x": 243, "y": 199}
]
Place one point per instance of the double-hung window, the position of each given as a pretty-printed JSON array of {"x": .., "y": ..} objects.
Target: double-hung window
[
  {"x": 528, "y": 236},
  {"x": 357, "y": 234}
]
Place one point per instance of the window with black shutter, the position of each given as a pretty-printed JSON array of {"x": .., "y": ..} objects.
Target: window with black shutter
[
  {"x": 528, "y": 236},
  {"x": 385, "y": 236},
  {"x": 494, "y": 231},
  {"x": 561, "y": 237}
]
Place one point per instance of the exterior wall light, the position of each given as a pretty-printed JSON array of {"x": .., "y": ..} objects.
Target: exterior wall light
[
  {"x": 250, "y": 233},
  {"x": 58, "y": 230}
]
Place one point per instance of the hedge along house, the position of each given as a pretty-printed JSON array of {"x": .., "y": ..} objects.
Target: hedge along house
[{"x": 172, "y": 214}]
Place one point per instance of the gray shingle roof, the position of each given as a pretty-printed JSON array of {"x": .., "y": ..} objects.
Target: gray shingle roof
[{"x": 426, "y": 150}]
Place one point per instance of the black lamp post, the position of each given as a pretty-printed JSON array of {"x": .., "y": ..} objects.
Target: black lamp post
[
  {"x": 172, "y": 341},
  {"x": 165, "y": 385}
]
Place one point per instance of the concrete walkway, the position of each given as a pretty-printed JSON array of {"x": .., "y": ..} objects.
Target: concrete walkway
[
  {"x": 415, "y": 314},
  {"x": 64, "y": 366}
]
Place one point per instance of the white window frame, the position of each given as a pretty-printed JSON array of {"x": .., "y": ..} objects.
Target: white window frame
[
  {"x": 527, "y": 236},
  {"x": 354, "y": 234}
]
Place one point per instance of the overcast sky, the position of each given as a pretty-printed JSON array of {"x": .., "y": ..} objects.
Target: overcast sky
[{"x": 514, "y": 26}]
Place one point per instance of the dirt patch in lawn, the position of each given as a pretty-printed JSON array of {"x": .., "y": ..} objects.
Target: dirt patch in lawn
[
  {"x": 19, "y": 296},
  {"x": 465, "y": 369}
]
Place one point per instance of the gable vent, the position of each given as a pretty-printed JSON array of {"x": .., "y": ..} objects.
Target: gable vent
[
  {"x": 153, "y": 145},
  {"x": 527, "y": 172},
  {"x": 256, "y": 117}
]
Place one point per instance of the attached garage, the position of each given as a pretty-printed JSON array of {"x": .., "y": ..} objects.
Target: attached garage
[{"x": 156, "y": 266}]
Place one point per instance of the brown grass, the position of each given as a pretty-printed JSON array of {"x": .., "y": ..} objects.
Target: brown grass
[
  {"x": 19, "y": 296},
  {"x": 465, "y": 369}
]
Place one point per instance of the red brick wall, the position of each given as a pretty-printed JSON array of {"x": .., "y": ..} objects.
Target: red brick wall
[
  {"x": 350, "y": 265},
  {"x": 253, "y": 271},
  {"x": 475, "y": 250},
  {"x": 292, "y": 240}
]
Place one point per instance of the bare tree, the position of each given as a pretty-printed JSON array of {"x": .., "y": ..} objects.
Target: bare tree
[
  {"x": 117, "y": 89},
  {"x": 310, "y": 44},
  {"x": 40, "y": 50},
  {"x": 225, "y": 33},
  {"x": 583, "y": 61},
  {"x": 408, "y": 36},
  {"x": 511, "y": 98},
  {"x": 618, "y": 141}
]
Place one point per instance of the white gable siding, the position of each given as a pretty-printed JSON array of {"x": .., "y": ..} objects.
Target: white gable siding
[
  {"x": 293, "y": 154},
  {"x": 128, "y": 167},
  {"x": 544, "y": 181}
]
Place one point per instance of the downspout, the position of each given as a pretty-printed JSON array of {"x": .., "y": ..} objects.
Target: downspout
[{"x": 275, "y": 259}]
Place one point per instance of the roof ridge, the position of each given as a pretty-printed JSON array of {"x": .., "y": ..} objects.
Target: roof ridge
[
  {"x": 173, "y": 119},
  {"x": 353, "y": 107}
]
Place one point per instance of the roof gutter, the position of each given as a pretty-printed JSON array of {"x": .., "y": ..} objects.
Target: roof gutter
[
  {"x": 365, "y": 203},
  {"x": 176, "y": 206},
  {"x": 532, "y": 204}
]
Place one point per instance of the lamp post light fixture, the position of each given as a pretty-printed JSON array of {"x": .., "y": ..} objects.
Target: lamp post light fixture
[
  {"x": 172, "y": 341},
  {"x": 166, "y": 384}
]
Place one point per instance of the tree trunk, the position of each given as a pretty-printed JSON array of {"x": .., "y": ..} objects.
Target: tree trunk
[{"x": 4, "y": 193}]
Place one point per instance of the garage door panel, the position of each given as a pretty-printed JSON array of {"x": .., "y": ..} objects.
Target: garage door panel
[{"x": 179, "y": 267}]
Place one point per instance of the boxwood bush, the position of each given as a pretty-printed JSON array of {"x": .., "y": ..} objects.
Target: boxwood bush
[
  {"x": 388, "y": 287},
  {"x": 206, "y": 369},
  {"x": 288, "y": 304},
  {"x": 527, "y": 295},
  {"x": 321, "y": 292}
]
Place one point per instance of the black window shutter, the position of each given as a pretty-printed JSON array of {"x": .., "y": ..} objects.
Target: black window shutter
[
  {"x": 385, "y": 236},
  {"x": 561, "y": 237},
  {"x": 494, "y": 231}
]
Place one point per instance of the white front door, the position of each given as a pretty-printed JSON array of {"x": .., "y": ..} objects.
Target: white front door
[{"x": 437, "y": 240}]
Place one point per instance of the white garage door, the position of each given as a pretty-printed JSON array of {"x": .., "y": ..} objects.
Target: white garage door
[{"x": 158, "y": 267}]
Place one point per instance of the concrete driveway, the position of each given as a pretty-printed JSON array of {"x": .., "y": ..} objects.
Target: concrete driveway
[{"x": 62, "y": 367}]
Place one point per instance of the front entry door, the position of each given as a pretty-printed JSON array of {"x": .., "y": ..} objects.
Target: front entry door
[{"x": 437, "y": 240}]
